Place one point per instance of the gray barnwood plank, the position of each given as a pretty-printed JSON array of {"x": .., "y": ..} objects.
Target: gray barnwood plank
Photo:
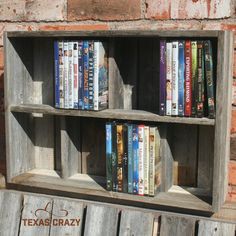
[
  {"x": 35, "y": 208},
  {"x": 10, "y": 212},
  {"x": 136, "y": 223},
  {"x": 67, "y": 210},
  {"x": 101, "y": 221},
  {"x": 223, "y": 118},
  {"x": 178, "y": 226},
  {"x": 206, "y": 228}
]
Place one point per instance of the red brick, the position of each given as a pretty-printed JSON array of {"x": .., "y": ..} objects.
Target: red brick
[
  {"x": 74, "y": 27},
  {"x": 159, "y": 9},
  {"x": 1, "y": 59},
  {"x": 233, "y": 121},
  {"x": 232, "y": 173},
  {"x": 33, "y": 10},
  {"x": 104, "y": 9}
]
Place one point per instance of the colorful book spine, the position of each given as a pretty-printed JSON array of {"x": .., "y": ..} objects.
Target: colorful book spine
[
  {"x": 70, "y": 75},
  {"x": 76, "y": 76},
  {"x": 194, "y": 77},
  {"x": 86, "y": 73},
  {"x": 162, "y": 89},
  {"x": 100, "y": 76},
  {"x": 120, "y": 153},
  {"x": 168, "y": 77},
  {"x": 209, "y": 78},
  {"x": 114, "y": 158},
  {"x": 135, "y": 160},
  {"x": 158, "y": 163},
  {"x": 56, "y": 74},
  {"x": 61, "y": 74},
  {"x": 181, "y": 82},
  {"x": 90, "y": 76},
  {"x": 200, "y": 84},
  {"x": 81, "y": 74},
  {"x": 125, "y": 158},
  {"x": 141, "y": 159},
  {"x": 188, "y": 79},
  {"x": 130, "y": 158},
  {"x": 109, "y": 156},
  {"x": 175, "y": 77},
  {"x": 66, "y": 75},
  {"x": 152, "y": 160},
  {"x": 146, "y": 160}
]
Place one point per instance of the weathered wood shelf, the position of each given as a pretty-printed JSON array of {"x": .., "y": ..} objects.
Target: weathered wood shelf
[{"x": 110, "y": 114}]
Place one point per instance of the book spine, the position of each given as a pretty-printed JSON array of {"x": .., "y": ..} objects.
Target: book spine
[
  {"x": 188, "y": 79},
  {"x": 86, "y": 73},
  {"x": 162, "y": 108},
  {"x": 181, "y": 79},
  {"x": 114, "y": 158},
  {"x": 109, "y": 156},
  {"x": 56, "y": 74},
  {"x": 120, "y": 153},
  {"x": 91, "y": 75},
  {"x": 76, "y": 76},
  {"x": 200, "y": 81},
  {"x": 146, "y": 160},
  {"x": 66, "y": 71},
  {"x": 175, "y": 83},
  {"x": 158, "y": 163},
  {"x": 61, "y": 73},
  {"x": 96, "y": 73},
  {"x": 130, "y": 158},
  {"x": 152, "y": 161},
  {"x": 81, "y": 74},
  {"x": 209, "y": 78},
  {"x": 168, "y": 78},
  {"x": 125, "y": 157},
  {"x": 141, "y": 159},
  {"x": 194, "y": 77},
  {"x": 135, "y": 160},
  {"x": 70, "y": 75}
]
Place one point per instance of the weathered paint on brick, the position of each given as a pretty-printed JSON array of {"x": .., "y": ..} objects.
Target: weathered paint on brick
[
  {"x": 33, "y": 10},
  {"x": 74, "y": 27},
  {"x": 159, "y": 9},
  {"x": 233, "y": 121},
  {"x": 232, "y": 172},
  {"x": 233, "y": 147},
  {"x": 104, "y": 10}
]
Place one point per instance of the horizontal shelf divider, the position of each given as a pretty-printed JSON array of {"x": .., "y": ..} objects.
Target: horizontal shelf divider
[{"x": 110, "y": 114}]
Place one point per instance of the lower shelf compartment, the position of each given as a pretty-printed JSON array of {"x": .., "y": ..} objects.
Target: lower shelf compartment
[{"x": 93, "y": 188}]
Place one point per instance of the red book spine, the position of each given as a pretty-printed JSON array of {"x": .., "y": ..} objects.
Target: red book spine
[{"x": 188, "y": 79}]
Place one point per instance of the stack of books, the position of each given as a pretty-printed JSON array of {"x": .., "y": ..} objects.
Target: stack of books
[
  {"x": 187, "y": 78},
  {"x": 133, "y": 159},
  {"x": 81, "y": 74}
]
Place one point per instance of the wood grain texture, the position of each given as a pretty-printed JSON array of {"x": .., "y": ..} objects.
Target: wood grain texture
[
  {"x": 10, "y": 212},
  {"x": 122, "y": 114},
  {"x": 136, "y": 223},
  {"x": 215, "y": 228},
  {"x": 223, "y": 118},
  {"x": 101, "y": 221},
  {"x": 179, "y": 226}
]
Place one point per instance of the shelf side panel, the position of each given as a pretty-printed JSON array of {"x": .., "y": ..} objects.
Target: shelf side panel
[{"x": 223, "y": 118}]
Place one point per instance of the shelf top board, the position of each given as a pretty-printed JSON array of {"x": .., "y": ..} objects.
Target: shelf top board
[
  {"x": 115, "y": 114},
  {"x": 115, "y": 33}
]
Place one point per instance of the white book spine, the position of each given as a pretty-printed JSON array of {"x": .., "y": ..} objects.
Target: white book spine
[
  {"x": 158, "y": 163},
  {"x": 141, "y": 159},
  {"x": 66, "y": 71},
  {"x": 168, "y": 78},
  {"x": 175, "y": 76},
  {"x": 146, "y": 160},
  {"x": 96, "y": 74},
  {"x": 61, "y": 73},
  {"x": 76, "y": 75},
  {"x": 70, "y": 75},
  {"x": 152, "y": 138}
]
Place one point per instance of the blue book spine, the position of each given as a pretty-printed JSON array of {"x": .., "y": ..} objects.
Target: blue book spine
[
  {"x": 181, "y": 71},
  {"x": 81, "y": 74},
  {"x": 109, "y": 156},
  {"x": 130, "y": 158},
  {"x": 57, "y": 80},
  {"x": 91, "y": 75},
  {"x": 135, "y": 159},
  {"x": 86, "y": 74}
]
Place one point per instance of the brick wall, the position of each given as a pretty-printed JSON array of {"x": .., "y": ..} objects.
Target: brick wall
[{"x": 34, "y": 15}]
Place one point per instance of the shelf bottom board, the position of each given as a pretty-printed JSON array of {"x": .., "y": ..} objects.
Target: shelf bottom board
[{"x": 93, "y": 188}]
